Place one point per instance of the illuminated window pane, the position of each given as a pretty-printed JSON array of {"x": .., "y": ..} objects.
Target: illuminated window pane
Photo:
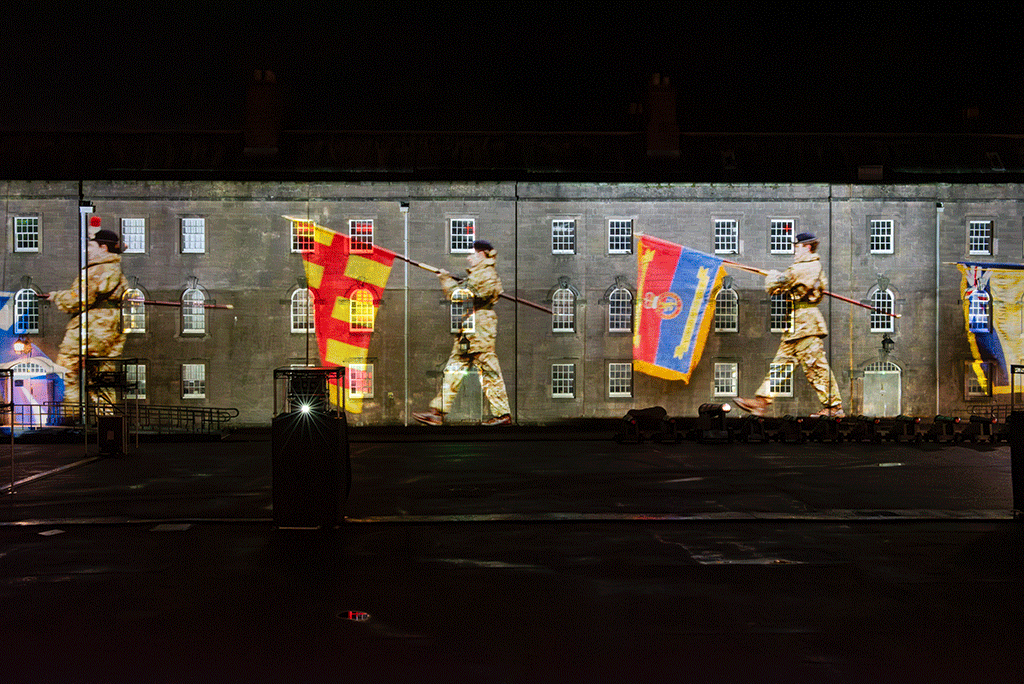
[
  {"x": 361, "y": 311},
  {"x": 620, "y": 380},
  {"x": 26, "y": 312},
  {"x": 360, "y": 380},
  {"x": 620, "y": 236},
  {"x": 133, "y": 311},
  {"x": 881, "y": 237},
  {"x": 463, "y": 315},
  {"x": 193, "y": 312},
  {"x": 193, "y": 235},
  {"x": 135, "y": 374},
  {"x": 302, "y": 311},
  {"x": 133, "y": 235},
  {"x": 563, "y": 304},
  {"x": 727, "y": 236},
  {"x": 781, "y": 313},
  {"x": 360, "y": 233},
  {"x": 302, "y": 236},
  {"x": 882, "y": 301},
  {"x": 462, "y": 235},
  {"x": 193, "y": 381},
  {"x": 979, "y": 310},
  {"x": 780, "y": 237},
  {"x": 26, "y": 234},
  {"x": 563, "y": 237},
  {"x": 726, "y": 379},
  {"x": 780, "y": 379},
  {"x": 978, "y": 379},
  {"x": 979, "y": 237},
  {"x": 727, "y": 311},
  {"x": 563, "y": 380},
  {"x": 620, "y": 311}
]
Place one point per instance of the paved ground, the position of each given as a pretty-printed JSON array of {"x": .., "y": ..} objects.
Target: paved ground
[{"x": 523, "y": 556}]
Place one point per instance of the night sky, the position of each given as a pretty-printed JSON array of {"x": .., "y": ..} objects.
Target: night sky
[{"x": 515, "y": 66}]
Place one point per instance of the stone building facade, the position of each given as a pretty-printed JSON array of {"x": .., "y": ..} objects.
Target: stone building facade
[{"x": 569, "y": 246}]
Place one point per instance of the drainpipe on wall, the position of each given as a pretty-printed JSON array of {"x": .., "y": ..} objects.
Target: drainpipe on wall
[
  {"x": 938, "y": 263},
  {"x": 404, "y": 208}
]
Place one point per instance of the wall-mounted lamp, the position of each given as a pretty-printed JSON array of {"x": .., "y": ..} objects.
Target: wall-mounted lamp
[
  {"x": 887, "y": 343},
  {"x": 22, "y": 346}
]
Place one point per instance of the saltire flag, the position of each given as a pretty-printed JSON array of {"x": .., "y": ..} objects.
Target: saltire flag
[
  {"x": 347, "y": 287},
  {"x": 676, "y": 289},
  {"x": 993, "y": 303}
]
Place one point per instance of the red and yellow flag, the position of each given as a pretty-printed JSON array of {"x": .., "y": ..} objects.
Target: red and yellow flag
[{"x": 347, "y": 287}]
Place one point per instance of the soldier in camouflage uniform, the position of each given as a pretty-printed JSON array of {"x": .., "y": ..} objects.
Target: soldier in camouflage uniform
[
  {"x": 806, "y": 283},
  {"x": 104, "y": 287},
  {"x": 475, "y": 346}
]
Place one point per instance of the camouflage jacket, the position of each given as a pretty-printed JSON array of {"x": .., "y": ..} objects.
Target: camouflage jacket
[
  {"x": 805, "y": 282},
  {"x": 484, "y": 283},
  {"x": 105, "y": 286}
]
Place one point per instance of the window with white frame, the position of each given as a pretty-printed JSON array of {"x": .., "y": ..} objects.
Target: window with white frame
[
  {"x": 620, "y": 380},
  {"x": 133, "y": 235},
  {"x": 26, "y": 312},
  {"x": 26, "y": 233},
  {"x": 726, "y": 379},
  {"x": 979, "y": 237},
  {"x": 360, "y": 235},
  {"x": 193, "y": 381},
  {"x": 780, "y": 379},
  {"x": 135, "y": 375},
  {"x": 620, "y": 236},
  {"x": 881, "y": 234},
  {"x": 979, "y": 311},
  {"x": 780, "y": 236},
  {"x": 193, "y": 312},
  {"x": 462, "y": 235},
  {"x": 978, "y": 379},
  {"x": 563, "y": 307},
  {"x": 360, "y": 381},
  {"x": 780, "y": 312},
  {"x": 302, "y": 311},
  {"x": 882, "y": 310},
  {"x": 620, "y": 310},
  {"x": 360, "y": 317},
  {"x": 463, "y": 315},
  {"x": 193, "y": 235},
  {"x": 727, "y": 236},
  {"x": 727, "y": 310},
  {"x": 303, "y": 236},
  {"x": 563, "y": 236},
  {"x": 563, "y": 380},
  {"x": 133, "y": 311}
]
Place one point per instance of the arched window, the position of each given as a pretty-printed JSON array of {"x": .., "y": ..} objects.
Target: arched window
[
  {"x": 302, "y": 311},
  {"x": 882, "y": 301},
  {"x": 979, "y": 311},
  {"x": 360, "y": 315},
  {"x": 563, "y": 306},
  {"x": 781, "y": 312},
  {"x": 727, "y": 310},
  {"x": 133, "y": 311},
  {"x": 26, "y": 312},
  {"x": 193, "y": 311},
  {"x": 620, "y": 310},
  {"x": 463, "y": 316}
]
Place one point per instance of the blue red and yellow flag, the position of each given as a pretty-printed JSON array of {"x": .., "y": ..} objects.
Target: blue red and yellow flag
[
  {"x": 347, "y": 287},
  {"x": 675, "y": 307},
  {"x": 993, "y": 302}
]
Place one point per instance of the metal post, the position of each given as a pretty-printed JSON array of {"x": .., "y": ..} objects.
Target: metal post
[
  {"x": 404, "y": 208},
  {"x": 1016, "y": 422}
]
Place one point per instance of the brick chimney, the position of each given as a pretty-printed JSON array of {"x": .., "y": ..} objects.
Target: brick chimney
[
  {"x": 262, "y": 115},
  {"x": 660, "y": 117}
]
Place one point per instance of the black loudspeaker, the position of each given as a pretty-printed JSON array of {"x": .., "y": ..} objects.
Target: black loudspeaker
[{"x": 312, "y": 473}]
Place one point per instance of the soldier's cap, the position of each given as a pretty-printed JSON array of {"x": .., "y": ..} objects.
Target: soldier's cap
[
  {"x": 483, "y": 246},
  {"x": 804, "y": 237},
  {"x": 109, "y": 239}
]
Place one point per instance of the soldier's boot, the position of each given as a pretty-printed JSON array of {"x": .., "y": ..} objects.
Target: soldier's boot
[
  {"x": 430, "y": 417},
  {"x": 830, "y": 412},
  {"x": 756, "y": 406},
  {"x": 499, "y": 420}
]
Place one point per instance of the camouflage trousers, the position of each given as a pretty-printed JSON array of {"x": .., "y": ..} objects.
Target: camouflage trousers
[
  {"x": 808, "y": 352},
  {"x": 491, "y": 381},
  {"x": 104, "y": 341}
]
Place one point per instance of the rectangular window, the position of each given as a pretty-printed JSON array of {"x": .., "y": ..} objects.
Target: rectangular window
[
  {"x": 133, "y": 235},
  {"x": 462, "y": 235},
  {"x": 726, "y": 379},
  {"x": 360, "y": 234},
  {"x": 193, "y": 235},
  {"x": 26, "y": 233},
  {"x": 193, "y": 381},
  {"x": 135, "y": 374},
  {"x": 563, "y": 237},
  {"x": 727, "y": 236},
  {"x": 781, "y": 313},
  {"x": 620, "y": 236},
  {"x": 563, "y": 380},
  {"x": 979, "y": 238},
  {"x": 780, "y": 236},
  {"x": 780, "y": 379},
  {"x": 620, "y": 380},
  {"x": 302, "y": 236},
  {"x": 360, "y": 381},
  {"x": 978, "y": 379},
  {"x": 880, "y": 236}
]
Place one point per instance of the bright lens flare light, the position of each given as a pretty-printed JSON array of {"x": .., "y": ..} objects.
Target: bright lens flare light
[{"x": 304, "y": 408}]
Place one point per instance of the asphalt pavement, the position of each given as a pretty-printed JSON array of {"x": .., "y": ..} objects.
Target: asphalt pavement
[{"x": 515, "y": 555}]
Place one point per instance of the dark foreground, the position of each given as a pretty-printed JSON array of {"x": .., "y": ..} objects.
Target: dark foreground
[{"x": 537, "y": 558}]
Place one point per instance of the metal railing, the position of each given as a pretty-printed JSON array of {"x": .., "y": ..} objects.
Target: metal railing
[{"x": 141, "y": 417}]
